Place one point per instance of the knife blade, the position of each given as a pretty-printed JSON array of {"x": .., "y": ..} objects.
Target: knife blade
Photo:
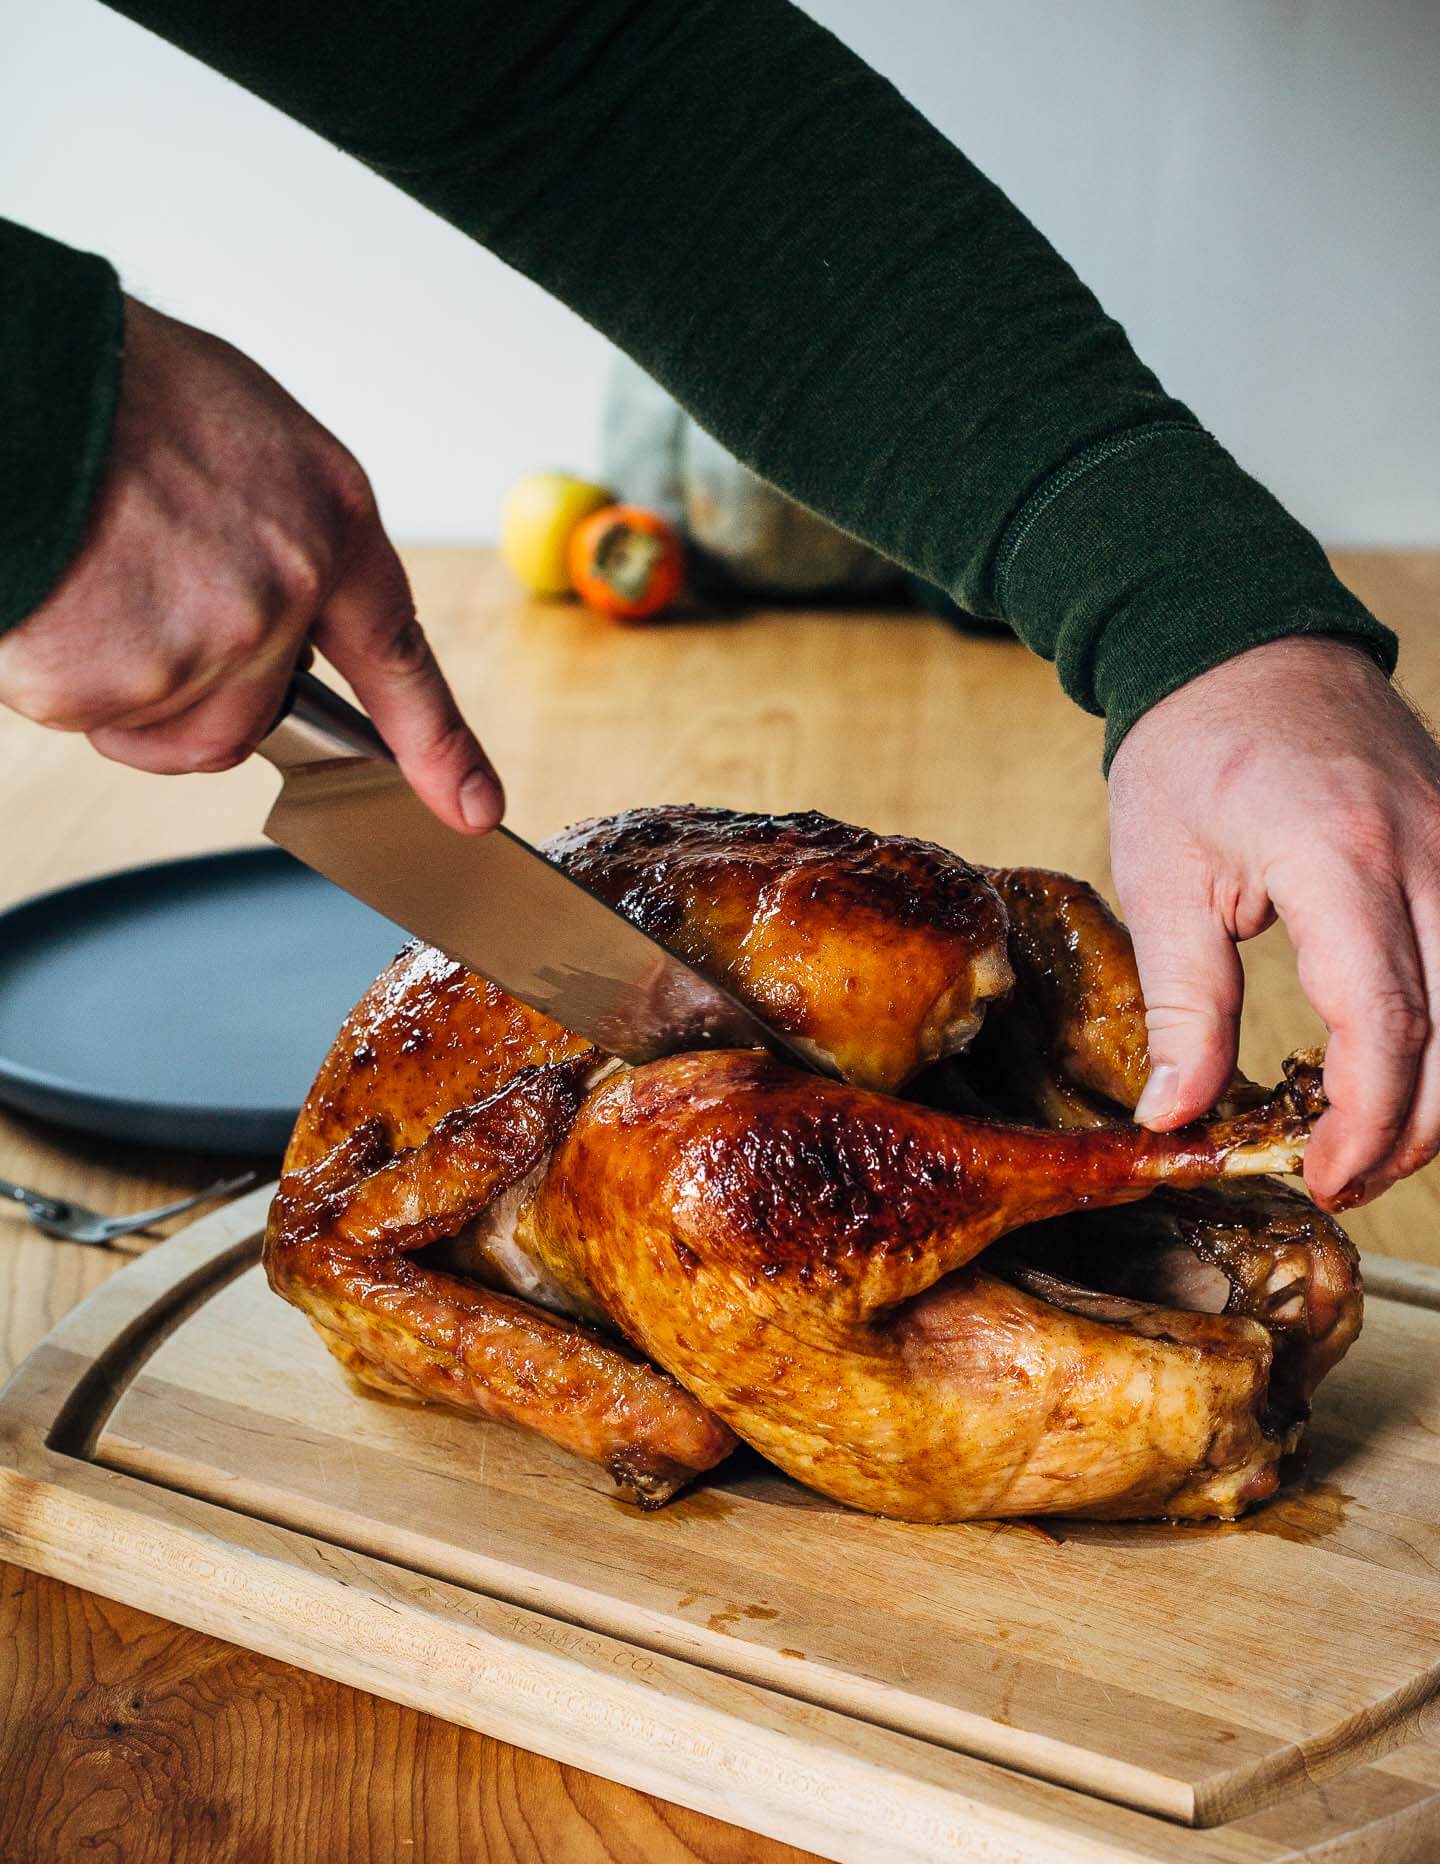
[{"x": 491, "y": 901}]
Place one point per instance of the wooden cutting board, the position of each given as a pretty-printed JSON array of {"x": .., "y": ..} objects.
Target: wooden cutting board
[{"x": 863, "y": 1687}]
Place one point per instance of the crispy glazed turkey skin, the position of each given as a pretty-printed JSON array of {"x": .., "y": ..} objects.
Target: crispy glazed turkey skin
[
  {"x": 878, "y": 953},
  {"x": 962, "y": 1304}
]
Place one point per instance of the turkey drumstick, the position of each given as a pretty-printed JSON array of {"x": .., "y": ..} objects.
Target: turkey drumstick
[{"x": 855, "y": 1199}]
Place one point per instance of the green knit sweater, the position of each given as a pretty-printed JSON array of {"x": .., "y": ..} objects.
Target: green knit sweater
[{"x": 827, "y": 285}]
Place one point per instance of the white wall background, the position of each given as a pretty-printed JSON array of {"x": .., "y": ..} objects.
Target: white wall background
[{"x": 1253, "y": 187}]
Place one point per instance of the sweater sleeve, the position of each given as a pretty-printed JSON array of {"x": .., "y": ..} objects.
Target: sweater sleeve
[
  {"x": 831, "y": 289},
  {"x": 61, "y": 322}
]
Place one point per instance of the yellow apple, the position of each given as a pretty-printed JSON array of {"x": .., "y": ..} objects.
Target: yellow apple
[{"x": 539, "y": 513}]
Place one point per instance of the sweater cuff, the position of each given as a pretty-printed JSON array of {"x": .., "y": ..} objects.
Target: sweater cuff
[
  {"x": 61, "y": 337},
  {"x": 1152, "y": 557}
]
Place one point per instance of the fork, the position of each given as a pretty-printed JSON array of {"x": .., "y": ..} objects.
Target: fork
[{"x": 75, "y": 1223}]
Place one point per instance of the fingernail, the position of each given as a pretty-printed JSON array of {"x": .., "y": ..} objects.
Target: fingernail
[
  {"x": 1162, "y": 1090},
  {"x": 1349, "y": 1196},
  {"x": 480, "y": 800}
]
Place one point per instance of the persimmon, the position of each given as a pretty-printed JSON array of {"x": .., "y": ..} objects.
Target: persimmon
[{"x": 626, "y": 562}]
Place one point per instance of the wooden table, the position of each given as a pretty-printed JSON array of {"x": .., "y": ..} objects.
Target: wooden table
[{"x": 125, "y": 1737}]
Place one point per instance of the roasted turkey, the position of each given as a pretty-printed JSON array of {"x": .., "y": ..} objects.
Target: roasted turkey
[{"x": 955, "y": 1282}]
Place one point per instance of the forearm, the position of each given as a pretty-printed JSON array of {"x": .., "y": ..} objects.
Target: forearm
[{"x": 61, "y": 324}]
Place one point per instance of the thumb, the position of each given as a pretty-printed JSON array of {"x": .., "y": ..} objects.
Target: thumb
[{"x": 1193, "y": 986}]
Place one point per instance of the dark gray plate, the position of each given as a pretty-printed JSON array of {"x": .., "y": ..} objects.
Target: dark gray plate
[{"x": 184, "y": 1004}]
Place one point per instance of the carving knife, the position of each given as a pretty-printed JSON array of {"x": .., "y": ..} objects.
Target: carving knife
[{"x": 491, "y": 901}]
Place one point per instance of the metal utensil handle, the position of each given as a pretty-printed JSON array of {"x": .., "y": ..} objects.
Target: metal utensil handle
[
  {"x": 142, "y": 1219},
  {"x": 317, "y": 726},
  {"x": 52, "y": 1209}
]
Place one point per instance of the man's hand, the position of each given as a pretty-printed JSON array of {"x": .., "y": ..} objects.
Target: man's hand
[
  {"x": 1292, "y": 781},
  {"x": 231, "y": 530}
]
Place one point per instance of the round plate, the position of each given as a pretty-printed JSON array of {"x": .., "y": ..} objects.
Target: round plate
[{"x": 185, "y": 1004}]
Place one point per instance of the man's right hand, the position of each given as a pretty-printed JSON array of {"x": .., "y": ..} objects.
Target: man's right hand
[
  {"x": 231, "y": 530},
  {"x": 1291, "y": 781}
]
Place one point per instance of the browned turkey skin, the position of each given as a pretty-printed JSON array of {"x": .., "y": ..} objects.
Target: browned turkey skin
[
  {"x": 966, "y": 1303},
  {"x": 877, "y": 953}
]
